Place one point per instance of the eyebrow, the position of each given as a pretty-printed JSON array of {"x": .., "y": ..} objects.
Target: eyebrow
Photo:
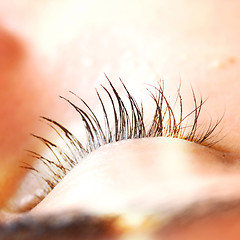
[
  {"x": 59, "y": 226},
  {"x": 73, "y": 225}
]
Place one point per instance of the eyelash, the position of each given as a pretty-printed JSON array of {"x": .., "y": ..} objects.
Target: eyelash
[{"x": 126, "y": 125}]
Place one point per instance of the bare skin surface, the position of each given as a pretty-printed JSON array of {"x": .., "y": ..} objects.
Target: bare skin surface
[{"x": 48, "y": 49}]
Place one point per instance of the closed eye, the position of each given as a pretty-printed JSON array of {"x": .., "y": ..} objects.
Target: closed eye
[{"x": 121, "y": 119}]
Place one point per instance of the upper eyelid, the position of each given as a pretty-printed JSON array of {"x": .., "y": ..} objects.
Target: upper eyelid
[{"x": 126, "y": 124}]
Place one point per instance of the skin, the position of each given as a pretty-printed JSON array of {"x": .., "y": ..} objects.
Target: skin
[{"x": 50, "y": 48}]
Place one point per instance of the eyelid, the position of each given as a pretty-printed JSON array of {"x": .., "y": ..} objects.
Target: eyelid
[
  {"x": 130, "y": 176},
  {"x": 127, "y": 124}
]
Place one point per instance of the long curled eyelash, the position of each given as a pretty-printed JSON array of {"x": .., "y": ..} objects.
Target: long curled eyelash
[{"x": 128, "y": 123}]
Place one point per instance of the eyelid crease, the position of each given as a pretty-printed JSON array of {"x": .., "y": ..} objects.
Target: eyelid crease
[{"x": 127, "y": 124}]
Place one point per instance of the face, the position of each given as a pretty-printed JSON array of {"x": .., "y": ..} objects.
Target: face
[{"x": 49, "y": 48}]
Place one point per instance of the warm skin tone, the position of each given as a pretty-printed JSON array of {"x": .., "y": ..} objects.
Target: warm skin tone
[{"x": 49, "y": 49}]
